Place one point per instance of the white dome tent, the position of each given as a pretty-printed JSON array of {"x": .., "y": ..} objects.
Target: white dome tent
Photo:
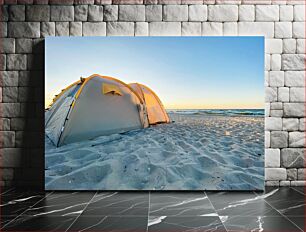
[{"x": 101, "y": 105}]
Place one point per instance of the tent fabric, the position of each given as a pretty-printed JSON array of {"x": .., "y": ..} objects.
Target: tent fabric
[
  {"x": 97, "y": 114},
  {"x": 110, "y": 89},
  {"x": 57, "y": 114},
  {"x": 64, "y": 91},
  {"x": 155, "y": 109},
  {"x": 100, "y": 105}
]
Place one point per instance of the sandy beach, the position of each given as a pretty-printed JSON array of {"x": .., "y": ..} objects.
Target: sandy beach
[{"x": 195, "y": 152}]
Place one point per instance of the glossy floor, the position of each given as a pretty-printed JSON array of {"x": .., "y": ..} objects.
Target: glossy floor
[{"x": 276, "y": 209}]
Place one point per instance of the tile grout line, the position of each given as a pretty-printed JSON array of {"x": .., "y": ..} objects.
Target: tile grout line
[
  {"x": 282, "y": 214},
  {"x": 82, "y": 212},
  {"x": 14, "y": 219},
  {"x": 215, "y": 210},
  {"x": 148, "y": 211},
  {"x": 297, "y": 191},
  {"x": 6, "y": 191}
]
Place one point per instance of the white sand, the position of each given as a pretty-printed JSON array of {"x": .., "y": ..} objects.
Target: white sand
[{"x": 196, "y": 152}]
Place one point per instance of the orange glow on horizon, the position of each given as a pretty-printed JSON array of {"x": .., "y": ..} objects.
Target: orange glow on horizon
[
  {"x": 49, "y": 99},
  {"x": 194, "y": 106}
]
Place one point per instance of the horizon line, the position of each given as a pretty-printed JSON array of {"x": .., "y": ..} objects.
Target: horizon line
[{"x": 215, "y": 109}]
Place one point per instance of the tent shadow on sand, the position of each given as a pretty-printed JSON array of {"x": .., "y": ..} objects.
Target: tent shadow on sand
[{"x": 101, "y": 105}]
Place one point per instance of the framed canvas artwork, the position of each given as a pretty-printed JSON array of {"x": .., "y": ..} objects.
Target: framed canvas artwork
[{"x": 154, "y": 113}]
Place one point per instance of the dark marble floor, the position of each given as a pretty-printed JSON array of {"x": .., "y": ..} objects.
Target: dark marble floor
[{"x": 276, "y": 209}]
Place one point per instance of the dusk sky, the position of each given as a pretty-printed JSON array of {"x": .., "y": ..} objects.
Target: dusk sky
[{"x": 185, "y": 72}]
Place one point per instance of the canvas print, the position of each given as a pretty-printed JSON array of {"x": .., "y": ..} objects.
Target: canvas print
[{"x": 154, "y": 113}]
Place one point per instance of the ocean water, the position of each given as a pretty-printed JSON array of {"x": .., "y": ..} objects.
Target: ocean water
[{"x": 221, "y": 112}]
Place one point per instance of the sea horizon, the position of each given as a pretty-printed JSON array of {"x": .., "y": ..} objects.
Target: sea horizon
[{"x": 225, "y": 112}]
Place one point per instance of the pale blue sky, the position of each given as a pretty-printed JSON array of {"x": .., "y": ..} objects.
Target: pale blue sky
[{"x": 185, "y": 72}]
